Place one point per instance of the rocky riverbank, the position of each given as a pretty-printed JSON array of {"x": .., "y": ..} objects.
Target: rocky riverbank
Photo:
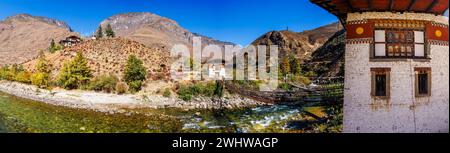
[{"x": 105, "y": 102}]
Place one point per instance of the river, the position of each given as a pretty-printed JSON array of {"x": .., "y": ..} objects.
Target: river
[{"x": 19, "y": 115}]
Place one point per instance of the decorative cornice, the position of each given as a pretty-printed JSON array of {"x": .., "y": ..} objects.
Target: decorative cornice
[
  {"x": 359, "y": 41},
  {"x": 438, "y": 42}
]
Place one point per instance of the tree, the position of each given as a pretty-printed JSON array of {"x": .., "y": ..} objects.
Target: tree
[
  {"x": 52, "y": 47},
  {"x": 75, "y": 73},
  {"x": 99, "y": 32},
  {"x": 135, "y": 73},
  {"x": 295, "y": 65},
  {"x": 109, "y": 31},
  {"x": 285, "y": 66},
  {"x": 42, "y": 77},
  {"x": 42, "y": 64}
]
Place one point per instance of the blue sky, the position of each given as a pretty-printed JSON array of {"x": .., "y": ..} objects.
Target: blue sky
[{"x": 238, "y": 21}]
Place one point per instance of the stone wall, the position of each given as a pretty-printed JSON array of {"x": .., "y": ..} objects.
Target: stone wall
[{"x": 402, "y": 112}]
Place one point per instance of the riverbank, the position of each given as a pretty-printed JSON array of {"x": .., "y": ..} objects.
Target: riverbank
[{"x": 111, "y": 103}]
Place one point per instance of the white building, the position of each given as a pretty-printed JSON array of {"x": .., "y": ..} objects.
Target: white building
[{"x": 396, "y": 64}]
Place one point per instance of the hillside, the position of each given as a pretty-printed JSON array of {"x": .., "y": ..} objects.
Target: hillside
[
  {"x": 300, "y": 44},
  {"x": 153, "y": 30},
  {"x": 107, "y": 56},
  {"x": 319, "y": 49},
  {"x": 23, "y": 35},
  {"x": 328, "y": 60}
]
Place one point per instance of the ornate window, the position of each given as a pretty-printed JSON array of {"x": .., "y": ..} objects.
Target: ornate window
[{"x": 399, "y": 43}]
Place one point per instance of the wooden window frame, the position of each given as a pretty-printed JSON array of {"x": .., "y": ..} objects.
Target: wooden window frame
[
  {"x": 412, "y": 56},
  {"x": 422, "y": 70},
  {"x": 378, "y": 71}
]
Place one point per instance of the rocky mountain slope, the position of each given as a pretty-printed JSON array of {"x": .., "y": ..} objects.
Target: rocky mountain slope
[
  {"x": 299, "y": 44},
  {"x": 153, "y": 30},
  {"x": 107, "y": 56},
  {"x": 328, "y": 60},
  {"x": 315, "y": 48},
  {"x": 23, "y": 35}
]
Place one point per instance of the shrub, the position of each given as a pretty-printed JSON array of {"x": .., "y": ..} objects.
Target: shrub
[
  {"x": 184, "y": 93},
  {"x": 40, "y": 79},
  {"x": 301, "y": 79},
  {"x": 310, "y": 74},
  {"x": 105, "y": 83},
  {"x": 135, "y": 73},
  {"x": 23, "y": 76},
  {"x": 4, "y": 71},
  {"x": 209, "y": 89},
  {"x": 121, "y": 87},
  {"x": 167, "y": 92},
  {"x": 75, "y": 73},
  {"x": 135, "y": 86},
  {"x": 284, "y": 86}
]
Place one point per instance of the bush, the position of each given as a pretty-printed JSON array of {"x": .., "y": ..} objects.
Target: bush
[
  {"x": 284, "y": 86},
  {"x": 105, "y": 83},
  {"x": 167, "y": 92},
  {"x": 40, "y": 79},
  {"x": 121, "y": 88},
  {"x": 75, "y": 73},
  {"x": 209, "y": 89},
  {"x": 185, "y": 93},
  {"x": 135, "y": 86},
  {"x": 23, "y": 76},
  {"x": 4, "y": 71}
]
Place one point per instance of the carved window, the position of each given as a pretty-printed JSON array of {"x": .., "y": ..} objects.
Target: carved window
[{"x": 394, "y": 43}]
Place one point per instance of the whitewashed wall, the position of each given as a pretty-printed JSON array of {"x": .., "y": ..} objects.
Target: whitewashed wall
[{"x": 403, "y": 112}]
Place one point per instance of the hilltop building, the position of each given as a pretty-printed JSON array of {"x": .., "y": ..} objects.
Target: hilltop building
[
  {"x": 70, "y": 41},
  {"x": 396, "y": 64}
]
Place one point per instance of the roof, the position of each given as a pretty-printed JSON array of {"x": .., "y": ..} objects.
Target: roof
[{"x": 341, "y": 7}]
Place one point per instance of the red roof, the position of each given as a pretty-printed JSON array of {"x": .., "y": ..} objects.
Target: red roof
[{"x": 341, "y": 7}]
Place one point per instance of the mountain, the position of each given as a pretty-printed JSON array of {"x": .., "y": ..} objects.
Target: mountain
[
  {"x": 153, "y": 30},
  {"x": 313, "y": 47},
  {"x": 23, "y": 35},
  {"x": 299, "y": 44},
  {"x": 107, "y": 56},
  {"x": 328, "y": 60}
]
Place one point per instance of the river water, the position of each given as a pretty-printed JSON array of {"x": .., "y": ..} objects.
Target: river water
[{"x": 22, "y": 115}]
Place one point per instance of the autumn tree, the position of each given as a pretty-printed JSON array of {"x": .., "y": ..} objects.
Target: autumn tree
[
  {"x": 75, "y": 73},
  {"x": 42, "y": 76},
  {"x": 285, "y": 66}
]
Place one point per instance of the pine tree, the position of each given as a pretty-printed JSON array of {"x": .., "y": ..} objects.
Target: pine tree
[
  {"x": 109, "y": 31},
  {"x": 75, "y": 73},
  {"x": 52, "y": 47},
  {"x": 135, "y": 73},
  {"x": 99, "y": 34}
]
